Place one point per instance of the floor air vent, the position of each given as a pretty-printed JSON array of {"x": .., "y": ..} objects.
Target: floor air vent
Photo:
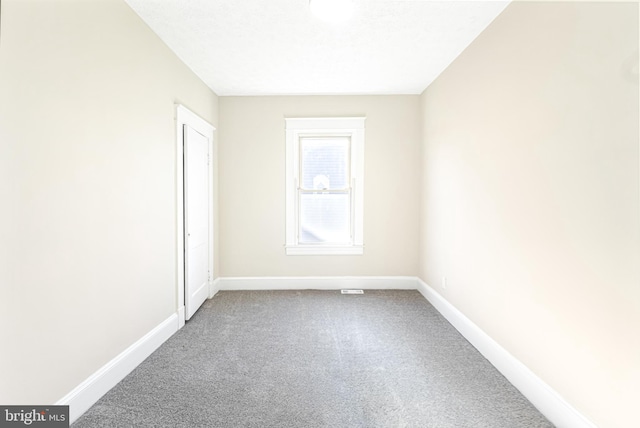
[{"x": 351, "y": 291}]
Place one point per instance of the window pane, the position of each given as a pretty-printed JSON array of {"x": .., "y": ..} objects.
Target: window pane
[
  {"x": 324, "y": 163},
  {"x": 324, "y": 218}
]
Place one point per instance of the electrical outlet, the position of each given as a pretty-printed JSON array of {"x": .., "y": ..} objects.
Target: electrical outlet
[{"x": 444, "y": 282}]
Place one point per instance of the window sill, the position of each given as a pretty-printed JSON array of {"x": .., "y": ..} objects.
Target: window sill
[{"x": 322, "y": 250}]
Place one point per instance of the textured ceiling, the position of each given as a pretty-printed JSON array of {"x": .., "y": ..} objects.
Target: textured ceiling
[{"x": 276, "y": 47}]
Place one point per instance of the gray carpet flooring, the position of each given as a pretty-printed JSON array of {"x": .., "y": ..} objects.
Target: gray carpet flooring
[{"x": 315, "y": 359}]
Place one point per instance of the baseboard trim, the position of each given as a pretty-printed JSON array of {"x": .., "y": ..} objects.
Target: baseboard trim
[
  {"x": 85, "y": 395},
  {"x": 182, "y": 317},
  {"x": 541, "y": 395},
  {"x": 318, "y": 283},
  {"x": 214, "y": 287}
]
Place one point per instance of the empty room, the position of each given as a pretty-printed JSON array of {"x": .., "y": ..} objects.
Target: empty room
[{"x": 393, "y": 213}]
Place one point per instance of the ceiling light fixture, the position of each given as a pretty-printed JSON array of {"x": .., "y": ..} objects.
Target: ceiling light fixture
[{"x": 333, "y": 11}]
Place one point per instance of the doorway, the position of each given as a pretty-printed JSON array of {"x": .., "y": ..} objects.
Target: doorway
[{"x": 195, "y": 211}]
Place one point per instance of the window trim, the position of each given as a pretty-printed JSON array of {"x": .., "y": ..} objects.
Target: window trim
[{"x": 353, "y": 127}]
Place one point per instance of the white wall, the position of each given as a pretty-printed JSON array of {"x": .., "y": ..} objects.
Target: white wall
[
  {"x": 88, "y": 228},
  {"x": 530, "y": 200},
  {"x": 252, "y": 185}
]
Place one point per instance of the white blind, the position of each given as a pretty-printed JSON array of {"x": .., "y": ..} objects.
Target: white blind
[
  {"x": 324, "y": 163},
  {"x": 325, "y": 194},
  {"x": 324, "y": 218}
]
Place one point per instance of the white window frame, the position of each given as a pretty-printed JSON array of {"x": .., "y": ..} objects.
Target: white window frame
[{"x": 296, "y": 128}]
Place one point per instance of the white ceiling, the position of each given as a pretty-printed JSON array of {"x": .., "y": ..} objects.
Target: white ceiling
[{"x": 276, "y": 47}]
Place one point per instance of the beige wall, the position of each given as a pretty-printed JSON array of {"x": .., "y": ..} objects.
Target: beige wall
[
  {"x": 252, "y": 185},
  {"x": 88, "y": 227},
  {"x": 530, "y": 196}
]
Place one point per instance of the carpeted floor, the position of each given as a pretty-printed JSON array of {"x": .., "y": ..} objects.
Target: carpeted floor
[{"x": 315, "y": 359}]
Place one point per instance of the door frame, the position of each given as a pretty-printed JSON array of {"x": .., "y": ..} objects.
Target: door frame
[{"x": 184, "y": 116}]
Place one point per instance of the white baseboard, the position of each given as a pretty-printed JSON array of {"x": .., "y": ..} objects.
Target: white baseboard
[
  {"x": 182, "y": 317},
  {"x": 82, "y": 397},
  {"x": 541, "y": 395},
  {"x": 318, "y": 283},
  {"x": 214, "y": 287}
]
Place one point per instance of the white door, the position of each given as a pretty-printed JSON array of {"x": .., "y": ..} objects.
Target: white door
[{"x": 196, "y": 224}]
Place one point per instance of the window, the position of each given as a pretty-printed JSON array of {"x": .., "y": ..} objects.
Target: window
[{"x": 325, "y": 162}]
